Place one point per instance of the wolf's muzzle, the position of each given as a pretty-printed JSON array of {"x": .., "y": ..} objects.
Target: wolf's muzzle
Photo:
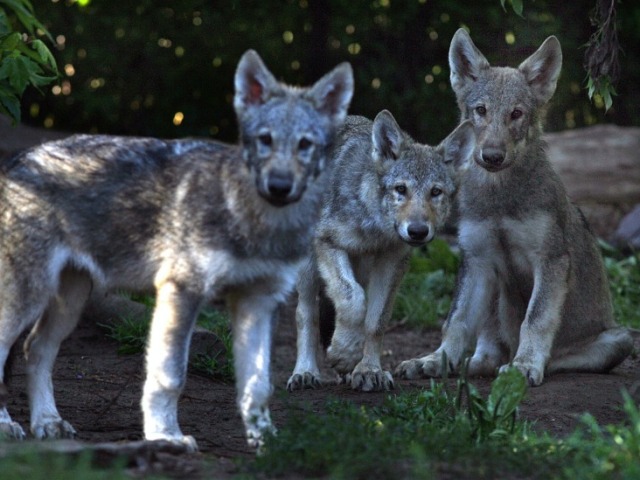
[{"x": 279, "y": 188}]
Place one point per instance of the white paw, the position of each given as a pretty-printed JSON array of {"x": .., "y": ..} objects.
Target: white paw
[
  {"x": 11, "y": 430},
  {"x": 533, "y": 373},
  {"x": 425, "y": 367},
  {"x": 186, "y": 441},
  {"x": 303, "y": 381},
  {"x": 53, "y": 429},
  {"x": 369, "y": 379}
]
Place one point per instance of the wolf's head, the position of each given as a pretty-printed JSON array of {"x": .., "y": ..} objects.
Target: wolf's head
[
  {"x": 418, "y": 181},
  {"x": 505, "y": 104},
  {"x": 286, "y": 131}
]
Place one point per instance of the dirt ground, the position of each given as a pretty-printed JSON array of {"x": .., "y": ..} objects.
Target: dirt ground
[{"x": 98, "y": 391}]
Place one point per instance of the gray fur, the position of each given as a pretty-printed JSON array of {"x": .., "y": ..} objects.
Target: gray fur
[
  {"x": 532, "y": 291},
  {"x": 387, "y": 193},
  {"x": 187, "y": 219}
]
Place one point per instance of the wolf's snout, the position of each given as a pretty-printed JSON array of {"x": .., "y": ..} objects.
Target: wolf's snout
[
  {"x": 418, "y": 233},
  {"x": 493, "y": 157},
  {"x": 278, "y": 187}
]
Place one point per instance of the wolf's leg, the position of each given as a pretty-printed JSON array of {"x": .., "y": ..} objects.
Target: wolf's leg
[
  {"x": 471, "y": 308},
  {"x": 494, "y": 331},
  {"x": 348, "y": 298},
  {"x": 41, "y": 349},
  {"x": 542, "y": 320},
  {"x": 306, "y": 373},
  {"x": 12, "y": 323},
  {"x": 166, "y": 362},
  {"x": 384, "y": 280},
  {"x": 600, "y": 355},
  {"x": 253, "y": 318}
]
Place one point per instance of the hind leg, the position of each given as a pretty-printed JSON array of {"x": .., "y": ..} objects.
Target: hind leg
[
  {"x": 41, "y": 349},
  {"x": 8, "y": 428},
  {"x": 600, "y": 355}
]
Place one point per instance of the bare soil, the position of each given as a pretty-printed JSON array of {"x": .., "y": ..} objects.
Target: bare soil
[{"x": 99, "y": 391}]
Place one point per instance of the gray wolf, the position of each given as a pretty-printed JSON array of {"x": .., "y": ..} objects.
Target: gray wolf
[
  {"x": 187, "y": 219},
  {"x": 532, "y": 290},
  {"x": 387, "y": 194}
]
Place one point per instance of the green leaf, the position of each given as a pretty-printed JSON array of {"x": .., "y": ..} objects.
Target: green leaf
[
  {"x": 11, "y": 41},
  {"x": 10, "y": 104},
  {"x": 517, "y": 7}
]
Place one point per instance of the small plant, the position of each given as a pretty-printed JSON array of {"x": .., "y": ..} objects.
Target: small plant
[
  {"x": 411, "y": 434},
  {"x": 217, "y": 362},
  {"x": 624, "y": 279},
  {"x": 424, "y": 297}
]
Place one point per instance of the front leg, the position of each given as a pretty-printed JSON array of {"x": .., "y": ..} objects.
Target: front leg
[
  {"x": 348, "y": 298},
  {"x": 306, "y": 373},
  {"x": 471, "y": 308},
  {"x": 544, "y": 314},
  {"x": 166, "y": 362},
  {"x": 253, "y": 317},
  {"x": 384, "y": 279}
]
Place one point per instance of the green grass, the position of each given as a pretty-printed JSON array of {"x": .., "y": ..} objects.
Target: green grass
[
  {"x": 437, "y": 433},
  {"x": 424, "y": 297},
  {"x": 624, "y": 277},
  {"x": 33, "y": 465},
  {"x": 131, "y": 336}
]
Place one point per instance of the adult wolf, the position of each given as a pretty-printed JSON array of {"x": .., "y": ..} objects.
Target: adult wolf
[
  {"x": 189, "y": 219},
  {"x": 532, "y": 290},
  {"x": 387, "y": 193}
]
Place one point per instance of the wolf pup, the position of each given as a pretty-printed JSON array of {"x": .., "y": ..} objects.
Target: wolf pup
[
  {"x": 532, "y": 290},
  {"x": 387, "y": 194},
  {"x": 189, "y": 219}
]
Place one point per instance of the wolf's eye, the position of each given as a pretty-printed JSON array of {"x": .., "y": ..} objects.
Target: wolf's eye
[
  {"x": 304, "y": 144},
  {"x": 516, "y": 114},
  {"x": 481, "y": 110},
  {"x": 401, "y": 189},
  {"x": 265, "y": 139},
  {"x": 436, "y": 192}
]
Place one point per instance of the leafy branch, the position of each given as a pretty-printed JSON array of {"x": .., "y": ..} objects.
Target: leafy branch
[
  {"x": 24, "y": 59},
  {"x": 602, "y": 49}
]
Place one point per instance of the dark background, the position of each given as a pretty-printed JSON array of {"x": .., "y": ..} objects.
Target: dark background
[{"x": 129, "y": 66}]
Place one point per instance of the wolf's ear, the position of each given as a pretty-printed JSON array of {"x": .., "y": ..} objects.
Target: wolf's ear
[
  {"x": 332, "y": 93},
  {"x": 254, "y": 84},
  {"x": 542, "y": 69},
  {"x": 459, "y": 146},
  {"x": 465, "y": 61},
  {"x": 386, "y": 136}
]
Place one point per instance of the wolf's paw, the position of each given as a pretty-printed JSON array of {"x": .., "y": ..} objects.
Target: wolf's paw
[
  {"x": 53, "y": 429},
  {"x": 531, "y": 372},
  {"x": 345, "y": 350},
  {"x": 184, "y": 441},
  {"x": 12, "y": 430},
  {"x": 303, "y": 381},
  {"x": 371, "y": 379},
  {"x": 425, "y": 367}
]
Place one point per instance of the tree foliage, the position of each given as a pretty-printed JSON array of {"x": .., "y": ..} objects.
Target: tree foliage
[
  {"x": 165, "y": 68},
  {"x": 24, "y": 59}
]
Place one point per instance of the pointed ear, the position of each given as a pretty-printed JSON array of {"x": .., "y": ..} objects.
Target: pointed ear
[
  {"x": 254, "y": 84},
  {"x": 332, "y": 93},
  {"x": 386, "y": 136},
  {"x": 459, "y": 146},
  {"x": 542, "y": 69},
  {"x": 465, "y": 61}
]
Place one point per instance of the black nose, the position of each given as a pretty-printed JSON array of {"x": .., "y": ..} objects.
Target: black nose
[
  {"x": 279, "y": 184},
  {"x": 492, "y": 156},
  {"x": 418, "y": 231}
]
